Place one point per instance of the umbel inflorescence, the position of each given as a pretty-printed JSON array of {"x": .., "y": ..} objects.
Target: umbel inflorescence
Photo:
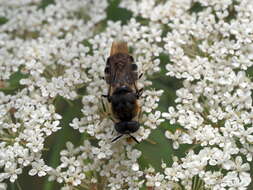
[{"x": 59, "y": 49}]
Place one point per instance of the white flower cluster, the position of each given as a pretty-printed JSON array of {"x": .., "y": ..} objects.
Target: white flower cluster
[
  {"x": 157, "y": 12},
  {"x": 60, "y": 49},
  {"x": 209, "y": 44},
  {"x": 47, "y": 43},
  {"x": 210, "y": 50},
  {"x": 120, "y": 169},
  {"x": 81, "y": 166},
  {"x": 25, "y": 123}
]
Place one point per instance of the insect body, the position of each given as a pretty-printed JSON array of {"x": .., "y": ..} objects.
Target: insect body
[{"x": 121, "y": 76}]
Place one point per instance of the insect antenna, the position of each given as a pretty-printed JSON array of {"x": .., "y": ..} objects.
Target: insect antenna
[
  {"x": 134, "y": 138},
  {"x": 117, "y": 138}
]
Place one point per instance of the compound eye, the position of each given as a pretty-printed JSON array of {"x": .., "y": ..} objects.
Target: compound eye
[
  {"x": 133, "y": 126},
  {"x": 121, "y": 127},
  {"x": 107, "y": 70},
  {"x": 134, "y": 67}
]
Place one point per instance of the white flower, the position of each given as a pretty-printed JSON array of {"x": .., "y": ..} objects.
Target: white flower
[
  {"x": 39, "y": 167},
  {"x": 154, "y": 120},
  {"x": 135, "y": 167},
  {"x": 12, "y": 171},
  {"x": 174, "y": 137},
  {"x": 237, "y": 165},
  {"x": 3, "y": 186}
]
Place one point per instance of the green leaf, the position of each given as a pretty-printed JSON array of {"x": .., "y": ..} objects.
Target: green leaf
[
  {"x": 45, "y": 3},
  {"x": 196, "y": 7},
  {"x": 3, "y": 20},
  {"x": 115, "y": 13},
  {"x": 249, "y": 72},
  {"x": 13, "y": 83},
  {"x": 154, "y": 153},
  {"x": 57, "y": 142}
]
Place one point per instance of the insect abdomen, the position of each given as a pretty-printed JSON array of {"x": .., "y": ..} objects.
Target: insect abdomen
[{"x": 119, "y": 47}]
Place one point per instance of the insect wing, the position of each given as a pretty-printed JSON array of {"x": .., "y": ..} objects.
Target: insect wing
[{"x": 120, "y": 70}]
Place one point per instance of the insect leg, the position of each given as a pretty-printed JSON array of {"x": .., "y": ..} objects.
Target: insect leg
[
  {"x": 139, "y": 114},
  {"x": 140, "y": 75},
  {"x": 103, "y": 105},
  {"x": 105, "y": 96},
  {"x": 108, "y": 95},
  {"x": 136, "y": 90},
  {"x": 139, "y": 93},
  {"x": 112, "y": 119}
]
